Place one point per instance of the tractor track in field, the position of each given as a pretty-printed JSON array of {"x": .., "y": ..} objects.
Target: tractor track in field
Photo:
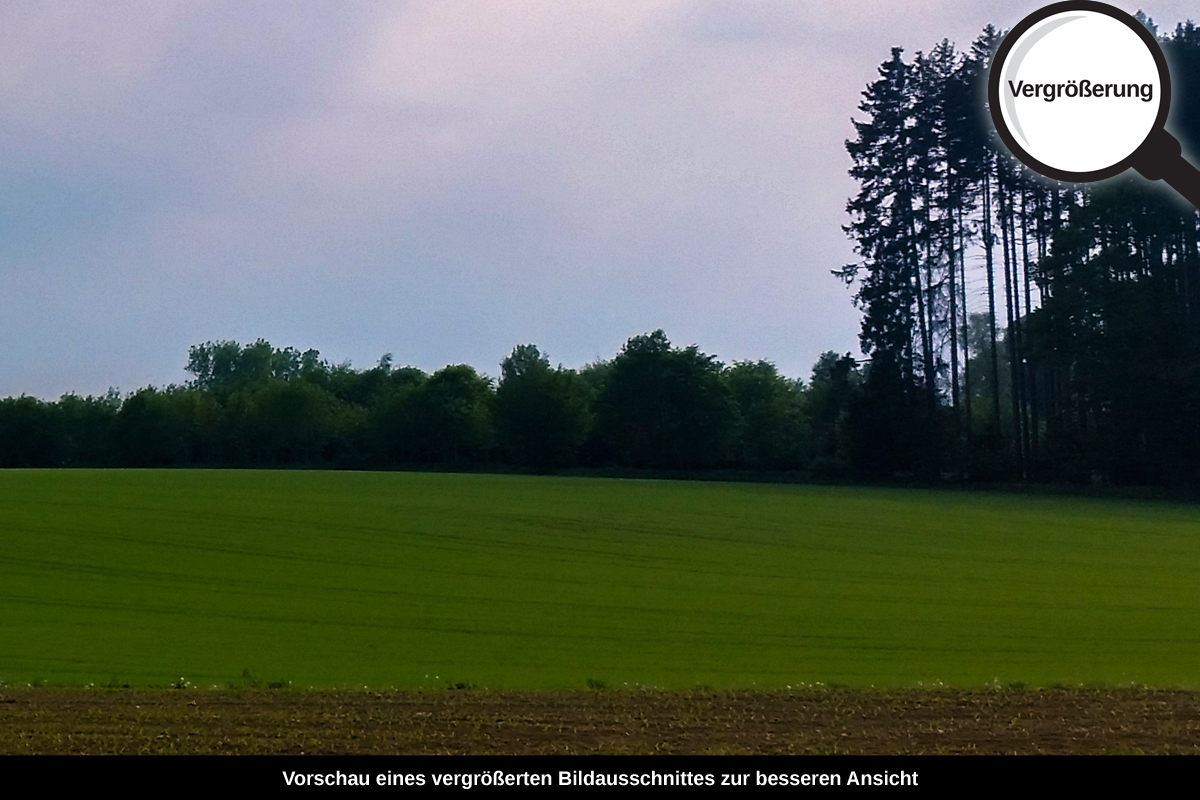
[{"x": 810, "y": 721}]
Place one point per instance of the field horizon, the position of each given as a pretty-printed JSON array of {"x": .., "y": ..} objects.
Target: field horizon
[{"x": 411, "y": 581}]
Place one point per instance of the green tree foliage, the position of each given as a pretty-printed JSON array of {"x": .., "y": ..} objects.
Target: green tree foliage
[
  {"x": 157, "y": 428},
  {"x": 884, "y": 219},
  {"x": 663, "y": 407},
  {"x": 290, "y": 421},
  {"x": 446, "y": 419},
  {"x": 893, "y": 429},
  {"x": 1117, "y": 340},
  {"x": 222, "y": 367},
  {"x": 832, "y": 393},
  {"x": 543, "y": 415},
  {"x": 902, "y": 225},
  {"x": 775, "y": 433},
  {"x": 87, "y": 427},
  {"x": 652, "y": 407},
  {"x": 31, "y": 433}
]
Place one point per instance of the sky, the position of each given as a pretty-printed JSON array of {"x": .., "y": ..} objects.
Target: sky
[{"x": 441, "y": 180}]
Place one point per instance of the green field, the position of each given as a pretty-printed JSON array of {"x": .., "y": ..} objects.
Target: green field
[{"x": 408, "y": 580}]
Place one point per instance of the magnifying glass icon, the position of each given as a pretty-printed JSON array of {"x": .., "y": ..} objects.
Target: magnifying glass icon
[{"x": 1079, "y": 91}]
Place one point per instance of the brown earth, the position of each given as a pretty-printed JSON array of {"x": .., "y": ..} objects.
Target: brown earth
[{"x": 63, "y": 721}]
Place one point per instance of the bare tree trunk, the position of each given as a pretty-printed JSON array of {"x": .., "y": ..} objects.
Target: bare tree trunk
[
  {"x": 1009, "y": 252},
  {"x": 989, "y": 240}
]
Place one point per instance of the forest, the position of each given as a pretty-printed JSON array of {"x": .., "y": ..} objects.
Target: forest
[
  {"x": 652, "y": 407},
  {"x": 1018, "y": 328},
  {"x": 1014, "y": 329}
]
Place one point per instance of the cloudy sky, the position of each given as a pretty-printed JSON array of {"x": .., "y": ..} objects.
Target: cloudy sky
[{"x": 438, "y": 179}]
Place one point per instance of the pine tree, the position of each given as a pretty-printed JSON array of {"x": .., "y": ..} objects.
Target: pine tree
[{"x": 884, "y": 219}]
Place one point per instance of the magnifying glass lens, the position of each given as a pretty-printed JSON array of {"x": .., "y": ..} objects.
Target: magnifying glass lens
[{"x": 1080, "y": 91}]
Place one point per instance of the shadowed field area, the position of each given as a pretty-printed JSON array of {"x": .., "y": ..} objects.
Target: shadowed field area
[
  {"x": 515, "y": 583},
  {"x": 42, "y": 721}
]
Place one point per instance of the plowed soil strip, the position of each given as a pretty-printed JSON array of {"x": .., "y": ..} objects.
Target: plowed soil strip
[{"x": 62, "y": 721}]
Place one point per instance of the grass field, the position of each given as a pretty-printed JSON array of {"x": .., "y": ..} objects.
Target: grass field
[{"x": 412, "y": 580}]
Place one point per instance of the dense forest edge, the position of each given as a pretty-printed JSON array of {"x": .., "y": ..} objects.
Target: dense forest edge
[
  {"x": 652, "y": 407},
  {"x": 1017, "y": 328},
  {"x": 1015, "y": 331}
]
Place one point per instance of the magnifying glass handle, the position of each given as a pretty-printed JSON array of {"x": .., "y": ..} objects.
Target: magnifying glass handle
[{"x": 1160, "y": 158}]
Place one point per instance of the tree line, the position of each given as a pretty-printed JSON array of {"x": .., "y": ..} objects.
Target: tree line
[
  {"x": 1017, "y": 328},
  {"x": 652, "y": 407}
]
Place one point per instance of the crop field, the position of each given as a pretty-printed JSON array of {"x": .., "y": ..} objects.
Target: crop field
[
  {"x": 582, "y": 721},
  {"x": 427, "y": 581}
]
